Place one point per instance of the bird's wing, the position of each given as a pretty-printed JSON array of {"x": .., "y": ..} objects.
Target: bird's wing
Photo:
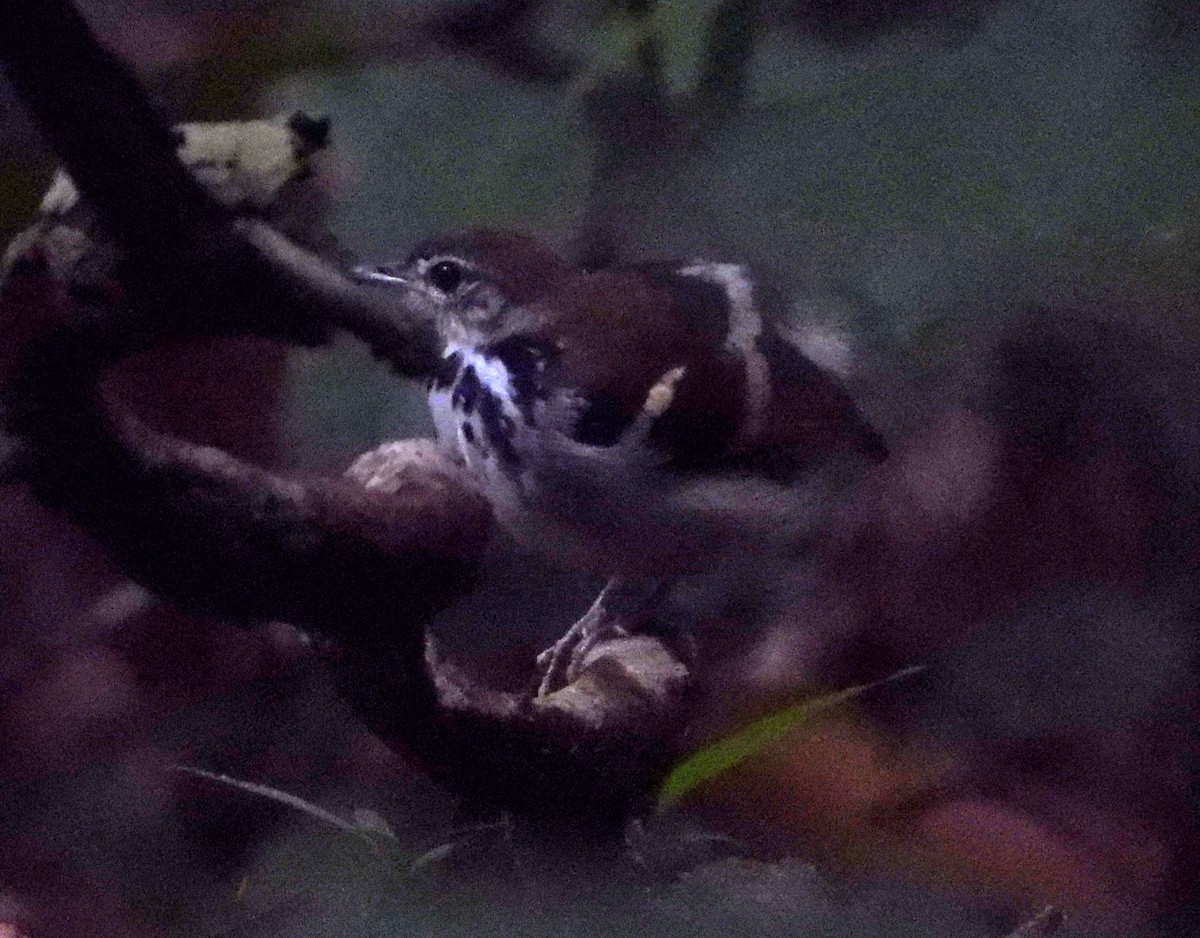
[
  {"x": 689, "y": 357},
  {"x": 791, "y": 410}
]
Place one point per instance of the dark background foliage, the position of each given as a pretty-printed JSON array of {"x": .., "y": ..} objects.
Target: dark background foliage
[{"x": 922, "y": 173}]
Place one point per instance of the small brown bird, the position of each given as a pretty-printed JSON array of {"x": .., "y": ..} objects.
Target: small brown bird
[{"x": 641, "y": 422}]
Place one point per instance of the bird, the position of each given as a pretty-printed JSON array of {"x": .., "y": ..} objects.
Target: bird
[{"x": 646, "y": 422}]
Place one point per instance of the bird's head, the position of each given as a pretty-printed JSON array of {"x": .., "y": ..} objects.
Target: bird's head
[{"x": 480, "y": 287}]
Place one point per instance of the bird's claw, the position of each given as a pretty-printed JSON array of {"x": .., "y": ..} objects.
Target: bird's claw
[
  {"x": 563, "y": 662},
  {"x": 619, "y": 610}
]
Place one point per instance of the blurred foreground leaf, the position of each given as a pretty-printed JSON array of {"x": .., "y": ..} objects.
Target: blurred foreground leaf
[{"x": 726, "y": 754}]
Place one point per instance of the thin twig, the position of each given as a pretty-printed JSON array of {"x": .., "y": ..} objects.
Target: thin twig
[{"x": 1047, "y": 922}]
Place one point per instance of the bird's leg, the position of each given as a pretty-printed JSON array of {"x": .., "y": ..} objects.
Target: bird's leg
[{"x": 619, "y": 609}]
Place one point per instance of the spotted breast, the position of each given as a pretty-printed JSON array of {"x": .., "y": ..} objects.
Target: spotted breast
[{"x": 650, "y": 416}]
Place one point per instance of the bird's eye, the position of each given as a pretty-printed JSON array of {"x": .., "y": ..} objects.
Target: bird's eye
[{"x": 445, "y": 275}]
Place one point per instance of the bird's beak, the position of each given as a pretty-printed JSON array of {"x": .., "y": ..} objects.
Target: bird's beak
[{"x": 379, "y": 275}]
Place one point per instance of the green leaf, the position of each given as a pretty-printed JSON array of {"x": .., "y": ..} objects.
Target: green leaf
[{"x": 726, "y": 754}]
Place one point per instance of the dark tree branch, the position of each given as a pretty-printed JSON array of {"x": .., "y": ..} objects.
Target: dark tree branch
[
  {"x": 95, "y": 117},
  {"x": 186, "y": 254},
  {"x": 214, "y": 533},
  {"x": 365, "y": 566},
  {"x": 366, "y": 560},
  {"x": 403, "y": 341}
]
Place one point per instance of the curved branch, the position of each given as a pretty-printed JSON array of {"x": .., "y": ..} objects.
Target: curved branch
[
  {"x": 212, "y": 532},
  {"x": 365, "y": 560}
]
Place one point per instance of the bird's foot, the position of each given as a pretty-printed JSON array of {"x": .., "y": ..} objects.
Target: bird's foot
[
  {"x": 616, "y": 612},
  {"x": 562, "y": 662}
]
